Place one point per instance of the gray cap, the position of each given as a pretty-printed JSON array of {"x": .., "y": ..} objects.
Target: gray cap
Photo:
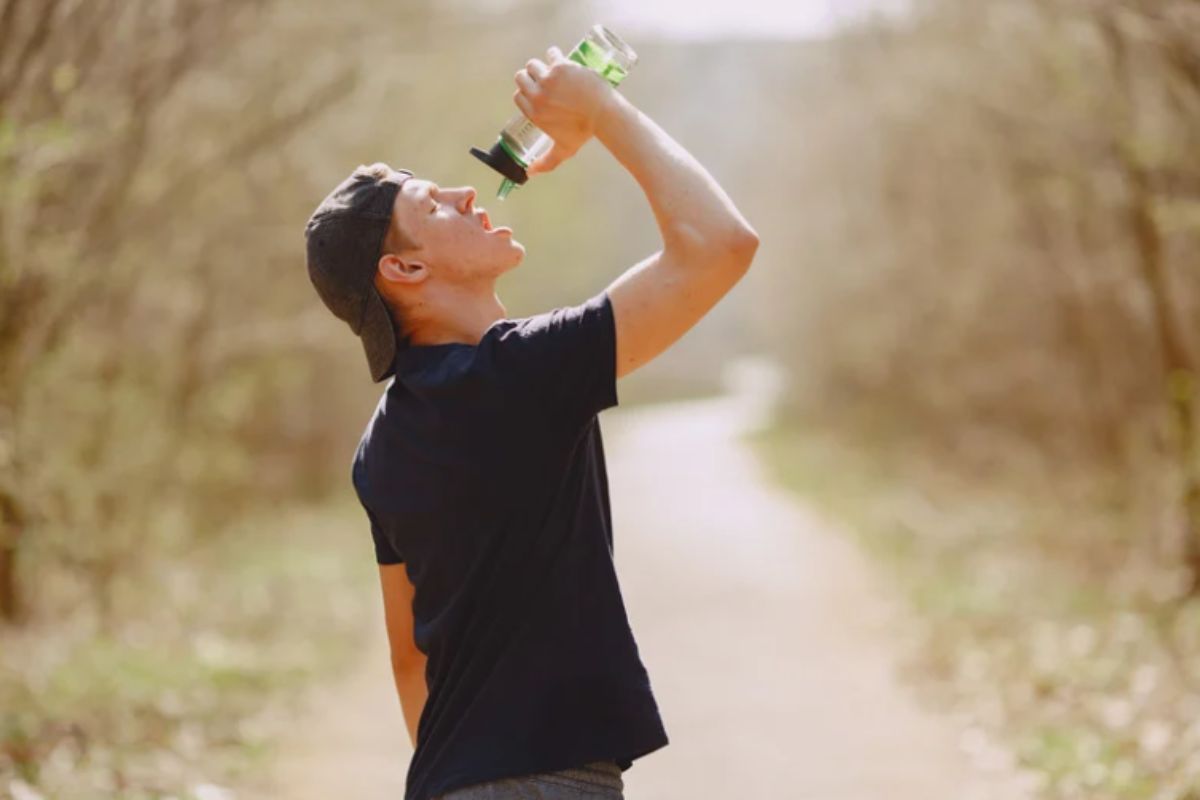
[{"x": 345, "y": 241}]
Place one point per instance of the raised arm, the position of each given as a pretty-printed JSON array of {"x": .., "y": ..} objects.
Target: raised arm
[{"x": 707, "y": 244}]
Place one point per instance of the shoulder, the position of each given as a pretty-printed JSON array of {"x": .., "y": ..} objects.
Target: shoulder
[
  {"x": 551, "y": 339},
  {"x": 521, "y": 329},
  {"x": 562, "y": 362},
  {"x": 368, "y": 443}
]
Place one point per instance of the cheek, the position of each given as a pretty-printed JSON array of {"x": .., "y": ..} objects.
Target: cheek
[
  {"x": 461, "y": 250},
  {"x": 465, "y": 239}
]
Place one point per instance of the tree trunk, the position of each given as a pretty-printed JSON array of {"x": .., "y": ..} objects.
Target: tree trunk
[
  {"x": 1177, "y": 361},
  {"x": 11, "y": 606}
]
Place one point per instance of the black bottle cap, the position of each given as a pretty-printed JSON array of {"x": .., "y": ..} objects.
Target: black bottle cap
[{"x": 498, "y": 159}]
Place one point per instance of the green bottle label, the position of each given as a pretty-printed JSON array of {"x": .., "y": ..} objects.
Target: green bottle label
[{"x": 596, "y": 60}]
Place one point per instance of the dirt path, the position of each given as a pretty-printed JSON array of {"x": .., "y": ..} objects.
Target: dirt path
[{"x": 765, "y": 635}]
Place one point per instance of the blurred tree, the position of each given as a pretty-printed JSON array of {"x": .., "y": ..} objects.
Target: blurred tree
[
  {"x": 1007, "y": 192},
  {"x": 109, "y": 306}
]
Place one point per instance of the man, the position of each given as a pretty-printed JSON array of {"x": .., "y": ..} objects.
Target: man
[{"x": 482, "y": 471}]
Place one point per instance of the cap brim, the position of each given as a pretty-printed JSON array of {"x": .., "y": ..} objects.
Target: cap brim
[{"x": 378, "y": 336}]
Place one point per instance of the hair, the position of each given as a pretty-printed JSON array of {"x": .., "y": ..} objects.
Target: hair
[
  {"x": 397, "y": 240},
  {"x": 378, "y": 170}
]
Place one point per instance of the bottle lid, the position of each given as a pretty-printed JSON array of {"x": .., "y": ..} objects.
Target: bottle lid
[{"x": 498, "y": 159}]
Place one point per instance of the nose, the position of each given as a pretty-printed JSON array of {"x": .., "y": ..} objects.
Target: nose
[{"x": 468, "y": 199}]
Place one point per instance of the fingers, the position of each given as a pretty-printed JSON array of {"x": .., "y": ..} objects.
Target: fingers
[
  {"x": 536, "y": 69},
  {"x": 526, "y": 83},
  {"x": 523, "y": 103}
]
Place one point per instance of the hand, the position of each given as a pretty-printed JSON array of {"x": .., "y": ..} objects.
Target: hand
[{"x": 565, "y": 99}]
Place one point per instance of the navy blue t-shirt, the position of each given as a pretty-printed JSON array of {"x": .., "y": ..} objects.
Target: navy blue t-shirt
[{"x": 482, "y": 470}]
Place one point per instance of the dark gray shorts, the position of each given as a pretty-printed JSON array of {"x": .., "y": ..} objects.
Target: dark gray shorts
[{"x": 600, "y": 780}]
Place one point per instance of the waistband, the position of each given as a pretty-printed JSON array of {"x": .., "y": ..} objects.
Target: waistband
[{"x": 606, "y": 774}]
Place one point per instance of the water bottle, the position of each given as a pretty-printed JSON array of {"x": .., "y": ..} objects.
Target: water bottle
[{"x": 521, "y": 142}]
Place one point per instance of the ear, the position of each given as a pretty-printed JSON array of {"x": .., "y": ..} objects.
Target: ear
[{"x": 402, "y": 270}]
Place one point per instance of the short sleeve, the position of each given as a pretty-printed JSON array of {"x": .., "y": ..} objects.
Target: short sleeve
[
  {"x": 565, "y": 360},
  {"x": 385, "y": 551}
]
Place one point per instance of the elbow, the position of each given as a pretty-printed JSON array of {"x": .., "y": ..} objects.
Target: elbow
[
  {"x": 740, "y": 247},
  {"x": 731, "y": 249},
  {"x": 408, "y": 664},
  {"x": 747, "y": 242},
  {"x": 736, "y": 244}
]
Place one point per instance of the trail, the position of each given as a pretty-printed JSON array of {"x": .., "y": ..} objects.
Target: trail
[{"x": 768, "y": 640}]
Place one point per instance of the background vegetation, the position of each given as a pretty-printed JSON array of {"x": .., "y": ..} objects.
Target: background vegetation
[
  {"x": 177, "y": 409},
  {"x": 980, "y": 227},
  {"x": 991, "y": 342}
]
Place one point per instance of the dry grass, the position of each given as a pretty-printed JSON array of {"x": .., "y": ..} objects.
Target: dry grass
[{"x": 193, "y": 685}]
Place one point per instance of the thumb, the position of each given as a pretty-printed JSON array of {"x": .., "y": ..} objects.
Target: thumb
[{"x": 548, "y": 161}]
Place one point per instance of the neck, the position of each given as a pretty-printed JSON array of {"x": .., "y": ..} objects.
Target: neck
[{"x": 454, "y": 315}]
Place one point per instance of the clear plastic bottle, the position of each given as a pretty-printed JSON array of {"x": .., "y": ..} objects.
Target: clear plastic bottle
[{"x": 521, "y": 142}]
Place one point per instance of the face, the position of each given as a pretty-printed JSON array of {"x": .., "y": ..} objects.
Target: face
[{"x": 440, "y": 234}]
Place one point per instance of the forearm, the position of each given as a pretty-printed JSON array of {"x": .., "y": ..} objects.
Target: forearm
[
  {"x": 413, "y": 691},
  {"x": 691, "y": 208}
]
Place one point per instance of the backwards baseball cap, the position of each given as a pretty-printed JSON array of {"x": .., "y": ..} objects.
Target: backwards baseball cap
[{"x": 345, "y": 241}]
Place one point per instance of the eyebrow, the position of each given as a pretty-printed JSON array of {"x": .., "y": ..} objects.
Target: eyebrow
[{"x": 427, "y": 195}]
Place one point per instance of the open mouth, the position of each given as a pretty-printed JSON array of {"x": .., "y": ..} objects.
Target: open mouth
[{"x": 485, "y": 222}]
